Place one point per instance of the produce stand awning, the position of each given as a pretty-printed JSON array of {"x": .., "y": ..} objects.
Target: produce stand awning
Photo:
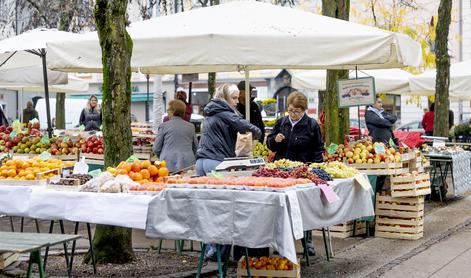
[
  {"x": 134, "y": 97},
  {"x": 234, "y": 37}
]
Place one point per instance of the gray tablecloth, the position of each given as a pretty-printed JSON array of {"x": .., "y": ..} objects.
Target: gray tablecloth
[
  {"x": 355, "y": 202},
  {"x": 246, "y": 218},
  {"x": 461, "y": 172},
  {"x": 253, "y": 218}
]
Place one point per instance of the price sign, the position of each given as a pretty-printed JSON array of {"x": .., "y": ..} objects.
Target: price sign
[
  {"x": 45, "y": 139},
  {"x": 379, "y": 149},
  {"x": 216, "y": 175},
  {"x": 45, "y": 156},
  {"x": 131, "y": 159},
  {"x": 13, "y": 134},
  {"x": 66, "y": 139},
  {"x": 82, "y": 128},
  {"x": 95, "y": 173},
  {"x": 332, "y": 148},
  {"x": 391, "y": 142}
]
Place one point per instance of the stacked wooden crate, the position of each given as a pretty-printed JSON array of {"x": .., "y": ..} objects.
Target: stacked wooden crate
[
  {"x": 143, "y": 138},
  {"x": 345, "y": 230},
  {"x": 401, "y": 218}
]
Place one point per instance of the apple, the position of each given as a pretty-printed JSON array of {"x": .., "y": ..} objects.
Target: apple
[
  {"x": 9, "y": 130},
  {"x": 349, "y": 154},
  {"x": 100, "y": 151},
  {"x": 350, "y": 161},
  {"x": 2, "y": 128},
  {"x": 370, "y": 161}
]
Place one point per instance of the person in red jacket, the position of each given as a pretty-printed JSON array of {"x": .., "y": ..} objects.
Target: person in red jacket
[{"x": 427, "y": 121}]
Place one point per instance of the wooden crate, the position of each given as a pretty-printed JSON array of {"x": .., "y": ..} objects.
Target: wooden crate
[
  {"x": 381, "y": 169},
  {"x": 90, "y": 158},
  {"x": 410, "y": 186},
  {"x": 406, "y": 207},
  {"x": 7, "y": 259},
  {"x": 400, "y": 218},
  {"x": 242, "y": 272},
  {"x": 69, "y": 157},
  {"x": 344, "y": 230}
]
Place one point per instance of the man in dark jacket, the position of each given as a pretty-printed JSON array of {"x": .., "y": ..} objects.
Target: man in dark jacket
[
  {"x": 379, "y": 123},
  {"x": 29, "y": 113},
  {"x": 255, "y": 114}
]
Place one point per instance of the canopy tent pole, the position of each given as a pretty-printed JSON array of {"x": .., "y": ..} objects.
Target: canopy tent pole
[
  {"x": 46, "y": 92},
  {"x": 147, "y": 100},
  {"x": 247, "y": 94}
]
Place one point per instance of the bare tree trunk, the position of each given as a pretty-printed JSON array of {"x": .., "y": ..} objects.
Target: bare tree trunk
[
  {"x": 336, "y": 119},
  {"x": 211, "y": 83},
  {"x": 60, "y": 110},
  {"x": 114, "y": 244},
  {"x": 442, "y": 60}
]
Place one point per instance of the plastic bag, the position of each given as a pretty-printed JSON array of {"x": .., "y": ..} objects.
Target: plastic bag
[
  {"x": 94, "y": 184},
  {"x": 243, "y": 144},
  {"x": 80, "y": 167}
]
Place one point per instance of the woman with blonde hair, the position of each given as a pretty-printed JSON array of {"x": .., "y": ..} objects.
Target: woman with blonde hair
[
  {"x": 176, "y": 139},
  {"x": 221, "y": 124},
  {"x": 91, "y": 115}
]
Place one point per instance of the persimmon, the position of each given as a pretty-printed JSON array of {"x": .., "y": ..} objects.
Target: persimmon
[
  {"x": 145, "y": 174},
  {"x": 145, "y": 164},
  {"x": 136, "y": 177},
  {"x": 163, "y": 172},
  {"x": 153, "y": 170},
  {"x": 121, "y": 172},
  {"x": 136, "y": 166}
]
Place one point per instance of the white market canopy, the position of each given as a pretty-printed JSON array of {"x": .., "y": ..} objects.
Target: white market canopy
[
  {"x": 392, "y": 81},
  {"x": 28, "y": 50},
  {"x": 244, "y": 36},
  {"x": 460, "y": 82},
  {"x": 74, "y": 85}
]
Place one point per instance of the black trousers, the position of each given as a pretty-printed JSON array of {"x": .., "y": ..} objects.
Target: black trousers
[{"x": 239, "y": 251}]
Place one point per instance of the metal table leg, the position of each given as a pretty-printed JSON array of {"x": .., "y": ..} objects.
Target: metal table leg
[
  {"x": 51, "y": 228},
  {"x": 200, "y": 261},
  {"x": 90, "y": 242},
  {"x": 35, "y": 258},
  {"x": 61, "y": 225}
]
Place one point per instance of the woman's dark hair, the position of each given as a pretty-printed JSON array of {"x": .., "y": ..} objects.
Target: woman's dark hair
[{"x": 432, "y": 107}]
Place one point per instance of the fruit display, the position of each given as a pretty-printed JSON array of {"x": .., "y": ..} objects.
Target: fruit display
[
  {"x": 108, "y": 183},
  {"x": 30, "y": 145},
  {"x": 261, "y": 150},
  {"x": 335, "y": 169},
  {"x": 143, "y": 142},
  {"x": 63, "y": 146},
  {"x": 268, "y": 263},
  {"x": 365, "y": 151},
  {"x": 93, "y": 144},
  {"x": 242, "y": 181},
  {"x": 141, "y": 171},
  {"x": 9, "y": 137},
  {"x": 444, "y": 150},
  {"x": 296, "y": 173},
  {"x": 322, "y": 174},
  {"x": 269, "y": 122},
  {"x": 18, "y": 169},
  {"x": 148, "y": 186},
  {"x": 284, "y": 164}
]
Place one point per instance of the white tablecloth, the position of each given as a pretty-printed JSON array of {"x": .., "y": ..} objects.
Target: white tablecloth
[{"x": 125, "y": 210}]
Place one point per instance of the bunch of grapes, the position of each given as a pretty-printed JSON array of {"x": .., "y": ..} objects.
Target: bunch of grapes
[
  {"x": 304, "y": 173},
  {"x": 271, "y": 173},
  {"x": 322, "y": 174}
]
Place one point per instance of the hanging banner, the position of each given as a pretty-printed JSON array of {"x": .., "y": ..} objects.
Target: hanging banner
[{"x": 356, "y": 91}]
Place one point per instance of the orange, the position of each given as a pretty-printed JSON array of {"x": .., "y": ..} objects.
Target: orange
[
  {"x": 163, "y": 172},
  {"x": 136, "y": 177},
  {"x": 5, "y": 173},
  {"x": 11, "y": 173},
  {"x": 19, "y": 164},
  {"x": 145, "y": 164},
  {"x": 10, "y": 163},
  {"x": 128, "y": 167},
  {"x": 163, "y": 163},
  {"x": 145, "y": 174},
  {"x": 121, "y": 172},
  {"x": 136, "y": 166},
  {"x": 153, "y": 170},
  {"x": 121, "y": 165}
]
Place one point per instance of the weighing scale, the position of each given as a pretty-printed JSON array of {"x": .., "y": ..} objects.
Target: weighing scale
[{"x": 239, "y": 166}]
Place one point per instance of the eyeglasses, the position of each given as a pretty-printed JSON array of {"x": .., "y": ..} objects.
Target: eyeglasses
[{"x": 295, "y": 111}]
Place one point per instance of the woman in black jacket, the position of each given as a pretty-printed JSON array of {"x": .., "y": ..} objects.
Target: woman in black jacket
[
  {"x": 91, "y": 115},
  {"x": 297, "y": 137},
  {"x": 220, "y": 127}
]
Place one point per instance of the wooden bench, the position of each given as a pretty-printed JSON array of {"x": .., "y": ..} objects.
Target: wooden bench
[{"x": 32, "y": 243}]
